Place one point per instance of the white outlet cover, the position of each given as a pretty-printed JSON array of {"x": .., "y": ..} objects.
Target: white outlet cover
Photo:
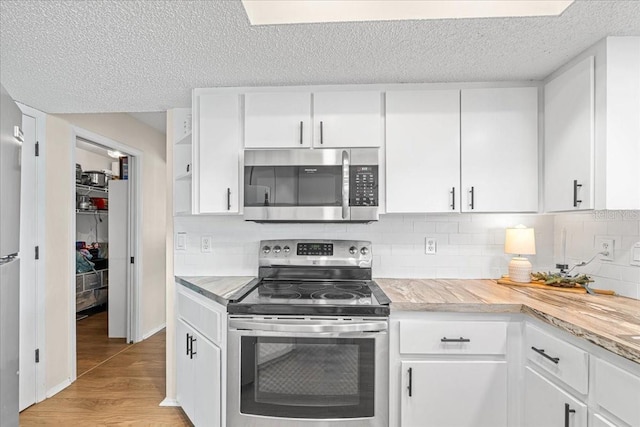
[
  {"x": 205, "y": 244},
  {"x": 430, "y": 246},
  {"x": 605, "y": 244}
]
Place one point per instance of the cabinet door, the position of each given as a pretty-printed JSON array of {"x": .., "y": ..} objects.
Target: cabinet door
[
  {"x": 454, "y": 393},
  {"x": 546, "y": 404},
  {"x": 499, "y": 140},
  {"x": 206, "y": 358},
  {"x": 277, "y": 120},
  {"x": 423, "y": 151},
  {"x": 569, "y": 139},
  {"x": 347, "y": 119},
  {"x": 185, "y": 384},
  {"x": 216, "y": 184},
  {"x": 600, "y": 421}
]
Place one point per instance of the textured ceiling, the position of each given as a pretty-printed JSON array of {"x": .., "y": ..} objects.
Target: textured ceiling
[{"x": 108, "y": 56}]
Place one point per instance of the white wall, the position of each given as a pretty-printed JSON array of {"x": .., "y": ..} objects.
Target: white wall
[
  {"x": 581, "y": 232},
  {"x": 469, "y": 245},
  {"x": 60, "y": 201},
  {"x": 92, "y": 161}
]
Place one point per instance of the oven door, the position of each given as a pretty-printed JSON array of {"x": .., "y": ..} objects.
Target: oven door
[{"x": 307, "y": 372}]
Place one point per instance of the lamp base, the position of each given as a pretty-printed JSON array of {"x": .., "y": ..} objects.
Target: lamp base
[{"x": 520, "y": 270}]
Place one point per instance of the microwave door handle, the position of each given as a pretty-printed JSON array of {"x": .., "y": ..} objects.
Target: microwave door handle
[{"x": 345, "y": 184}]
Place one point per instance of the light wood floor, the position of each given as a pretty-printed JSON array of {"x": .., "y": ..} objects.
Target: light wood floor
[
  {"x": 93, "y": 345},
  {"x": 124, "y": 390}
]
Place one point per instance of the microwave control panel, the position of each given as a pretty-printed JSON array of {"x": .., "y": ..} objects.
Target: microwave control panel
[{"x": 363, "y": 186}]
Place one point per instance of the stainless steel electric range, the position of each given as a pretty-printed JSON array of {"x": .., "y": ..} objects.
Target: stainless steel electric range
[{"x": 307, "y": 341}]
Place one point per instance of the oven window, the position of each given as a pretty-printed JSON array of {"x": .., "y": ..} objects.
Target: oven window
[{"x": 319, "y": 378}]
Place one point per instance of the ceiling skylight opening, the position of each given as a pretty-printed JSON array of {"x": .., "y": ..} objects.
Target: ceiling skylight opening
[{"x": 272, "y": 12}]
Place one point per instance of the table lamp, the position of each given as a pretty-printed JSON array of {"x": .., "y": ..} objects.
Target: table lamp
[{"x": 519, "y": 241}]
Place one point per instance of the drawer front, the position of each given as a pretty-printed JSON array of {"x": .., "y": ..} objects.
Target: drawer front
[
  {"x": 455, "y": 337},
  {"x": 202, "y": 317},
  {"x": 618, "y": 392},
  {"x": 565, "y": 361}
]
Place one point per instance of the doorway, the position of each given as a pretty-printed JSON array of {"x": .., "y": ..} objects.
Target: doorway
[{"x": 106, "y": 232}]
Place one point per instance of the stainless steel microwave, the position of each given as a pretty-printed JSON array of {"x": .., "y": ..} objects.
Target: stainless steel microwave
[{"x": 323, "y": 185}]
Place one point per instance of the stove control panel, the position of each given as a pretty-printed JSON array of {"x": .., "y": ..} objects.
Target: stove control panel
[
  {"x": 318, "y": 252},
  {"x": 321, "y": 249}
]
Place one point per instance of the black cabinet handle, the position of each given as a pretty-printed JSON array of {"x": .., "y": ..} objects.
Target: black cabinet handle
[
  {"x": 453, "y": 198},
  {"x": 301, "y": 127},
  {"x": 575, "y": 193},
  {"x": 410, "y": 386},
  {"x": 472, "y": 201},
  {"x": 228, "y": 199},
  {"x": 541, "y": 352},
  {"x": 445, "y": 339},
  {"x": 191, "y": 352},
  {"x": 321, "y": 134},
  {"x": 188, "y": 341},
  {"x": 567, "y": 412}
]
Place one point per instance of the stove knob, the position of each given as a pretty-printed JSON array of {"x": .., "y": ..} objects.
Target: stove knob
[
  {"x": 276, "y": 249},
  {"x": 266, "y": 249},
  {"x": 353, "y": 250},
  {"x": 364, "y": 250},
  {"x": 286, "y": 249}
]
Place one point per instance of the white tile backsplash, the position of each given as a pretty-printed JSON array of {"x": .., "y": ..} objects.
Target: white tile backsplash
[
  {"x": 581, "y": 232},
  {"x": 469, "y": 245}
]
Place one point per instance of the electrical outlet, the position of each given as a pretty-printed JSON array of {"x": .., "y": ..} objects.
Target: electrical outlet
[
  {"x": 430, "y": 246},
  {"x": 181, "y": 241},
  {"x": 635, "y": 254},
  {"x": 205, "y": 244},
  {"x": 605, "y": 245}
]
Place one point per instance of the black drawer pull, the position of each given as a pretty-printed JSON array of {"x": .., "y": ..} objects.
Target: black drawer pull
[
  {"x": 191, "y": 352},
  {"x": 576, "y": 202},
  {"x": 471, "y": 205},
  {"x": 410, "y": 387},
  {"x": 567, "y": 412},
  {"x": 445, "y": 339},
  {"x": 301, "y": 127},
  {"x": 453, "y": 198},
  {"x": 541, "y": 352},
  {"x": 188, "y": 340}
]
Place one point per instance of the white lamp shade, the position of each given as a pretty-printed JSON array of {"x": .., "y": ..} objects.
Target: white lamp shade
[{"x": 520, "y": 240}]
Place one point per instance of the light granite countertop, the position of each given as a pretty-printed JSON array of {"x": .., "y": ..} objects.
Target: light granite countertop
[{"x": 607, "y": 321}]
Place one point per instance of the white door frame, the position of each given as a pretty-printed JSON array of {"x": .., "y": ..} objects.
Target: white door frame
[
  {"x": 40, "y": 303},
  {"x": 135, "y": 271}
]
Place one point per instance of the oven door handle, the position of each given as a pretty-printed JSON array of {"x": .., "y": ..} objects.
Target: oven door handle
[
  {"x": 345, "y": 184},
  {"x": 316, "y": 327}
]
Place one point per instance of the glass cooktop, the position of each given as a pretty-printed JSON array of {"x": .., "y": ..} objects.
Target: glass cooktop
[{"x": 311, "y": 292}]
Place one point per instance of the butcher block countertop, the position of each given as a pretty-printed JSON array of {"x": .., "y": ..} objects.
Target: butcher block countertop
[{"x": 607, "y": 321}]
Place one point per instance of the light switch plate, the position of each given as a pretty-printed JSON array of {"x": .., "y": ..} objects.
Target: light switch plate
[
  {"x": 635, "y": 254},
  {"x": 181, "y": 241}
]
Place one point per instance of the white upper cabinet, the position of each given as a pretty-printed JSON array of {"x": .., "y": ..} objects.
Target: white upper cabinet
[
  {"x": 217, "y": 147},
  {"x": 423, "y": 151},
  {"x": 499, "y": 144},
  {"x": 592, "y": 130},
  {"x": 277, "y": 120},
  {"x": 347, "y": 119},
  {"x": 569, "y": 139}
]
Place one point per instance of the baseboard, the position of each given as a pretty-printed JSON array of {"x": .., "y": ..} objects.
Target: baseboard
[
  {"x": 154, "y": 331},
  {"x": 58, "y": 388},
  {"x": 169, "y": 402}
]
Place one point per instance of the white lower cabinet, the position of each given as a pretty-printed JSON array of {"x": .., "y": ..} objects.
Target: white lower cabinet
[
  {"x": 454, "y": 393},
  {"x": 547, "y": 405},
  {"x": 198, "y": 367},
  {"x": 200, "y": 362},
  {"x": 600, "y": 421}
]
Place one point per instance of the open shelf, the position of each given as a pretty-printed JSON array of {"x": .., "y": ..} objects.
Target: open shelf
[
  {"x": 94, "y": 212},
  {"x": 184, "y": 140},
  {"x": 87, "y": 190}
]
